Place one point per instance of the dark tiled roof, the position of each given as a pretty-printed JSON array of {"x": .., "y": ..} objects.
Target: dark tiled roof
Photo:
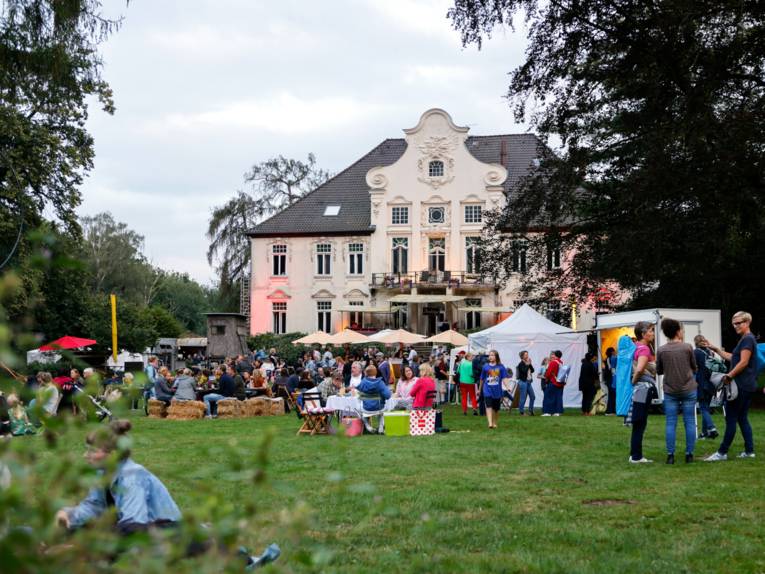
[{"x": 349, "y": 189}]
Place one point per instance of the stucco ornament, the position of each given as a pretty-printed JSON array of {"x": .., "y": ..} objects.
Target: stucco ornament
[{"x": 437, "y": 148}]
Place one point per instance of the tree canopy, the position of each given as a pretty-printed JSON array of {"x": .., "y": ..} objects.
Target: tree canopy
[
  {"x": 271, "y": 186},
  {"x": 659, "y": 183}
]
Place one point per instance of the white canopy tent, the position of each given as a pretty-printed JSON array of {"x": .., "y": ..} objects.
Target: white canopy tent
[{"x": 527, "y": 330}]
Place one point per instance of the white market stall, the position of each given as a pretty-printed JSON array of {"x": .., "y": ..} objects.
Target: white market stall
[{"x": 528, "y": 330}]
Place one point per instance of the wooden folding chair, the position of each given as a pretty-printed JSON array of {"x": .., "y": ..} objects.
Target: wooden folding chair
[{"x": 313, "y": 423}]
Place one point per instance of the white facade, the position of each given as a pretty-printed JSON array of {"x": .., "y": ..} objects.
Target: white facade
[{"x": 425, "y": 210}]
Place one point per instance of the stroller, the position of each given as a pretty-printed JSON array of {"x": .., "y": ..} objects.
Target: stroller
[{"x": 102, "y": 412}]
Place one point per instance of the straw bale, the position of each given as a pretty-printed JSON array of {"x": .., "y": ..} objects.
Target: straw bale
[
  {"x": 186, "y": 410},
  {"x": 256, "y": 407},
  {"x": 157, "y": 409},
  {"x": 277, "y": 406},
  {"x": 229, "y": 408}
]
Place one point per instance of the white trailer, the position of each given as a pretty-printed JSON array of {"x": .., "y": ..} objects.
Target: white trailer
[{"x": 695, "y": 321}]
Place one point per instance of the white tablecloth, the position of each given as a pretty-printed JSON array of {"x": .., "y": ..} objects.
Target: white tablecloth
[{"x": 352, "y": 405}]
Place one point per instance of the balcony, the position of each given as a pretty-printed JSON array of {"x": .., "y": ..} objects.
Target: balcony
[{"x": 450, "y": 279}]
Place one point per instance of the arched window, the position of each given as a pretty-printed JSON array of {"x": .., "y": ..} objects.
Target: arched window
[
  {"x": 436, "y": 168},
  {"x": 437, "y": 254}
]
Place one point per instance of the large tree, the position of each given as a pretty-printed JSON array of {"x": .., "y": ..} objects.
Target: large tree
[
  {"x": 270, "y": 187},
  {"x": 49, "y": 69},
  {"x": 659, "y": 184}
]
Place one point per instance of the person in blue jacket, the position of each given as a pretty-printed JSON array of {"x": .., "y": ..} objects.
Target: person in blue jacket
[
  {"x": 141, "y": 500},
  {"x": 371, "y": 384}
]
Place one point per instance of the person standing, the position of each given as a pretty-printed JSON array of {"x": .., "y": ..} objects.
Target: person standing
[
  {"x": 555, "y": 385},
  {"x": 492, "y": 375},
  {"x": 467, "y": 383},
  {"x": 609, "y": 379},
  {"x": 677, "y": 362},
  {"x": 524, "y": 372},
  {"x": 743, "y": 371},
  {"x": 588, "y": 381},
  {"x": 643, "y": 384},
  {"x": 705, "y": 389}
]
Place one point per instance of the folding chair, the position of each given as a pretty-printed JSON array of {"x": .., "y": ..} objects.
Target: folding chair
[
  {"x": 315, "y": 419},
  {"x": 365, "y": 415},
  {"x": 509, "y": 394}
]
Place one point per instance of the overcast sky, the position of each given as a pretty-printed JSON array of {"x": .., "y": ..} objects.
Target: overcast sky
[{"x": 206, "y": 88}]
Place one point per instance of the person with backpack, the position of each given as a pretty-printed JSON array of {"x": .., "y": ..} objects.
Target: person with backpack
[
  {"x": 556, "y": 376},
  {"x": 743, "y": 374},
  {"x": 677, "y": 362},
  {"x": 643, "y": 388},
  {"x": 705, "y": 390}
]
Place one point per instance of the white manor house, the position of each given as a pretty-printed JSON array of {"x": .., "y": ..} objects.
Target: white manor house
[{"x": 391, "y": 240}]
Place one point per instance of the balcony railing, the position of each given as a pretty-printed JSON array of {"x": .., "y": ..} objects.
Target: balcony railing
[{"x": 453, "y": 279}]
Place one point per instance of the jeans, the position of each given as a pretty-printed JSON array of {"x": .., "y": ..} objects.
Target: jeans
[
  {"x": 212, "y": 398},
  {"x": 639, "y": 422},
  {"x": 553, "y": 400},
  {"x": 707, "y": 424},
  {"x": 674, "y": 404},
  {"x": 526, "y": 390},
  {"x": 611, "y": 401},
  {"x": 737, "y": 412}
]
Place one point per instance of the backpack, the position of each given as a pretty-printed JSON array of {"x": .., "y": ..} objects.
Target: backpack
[{"x": 563, "y": 372}]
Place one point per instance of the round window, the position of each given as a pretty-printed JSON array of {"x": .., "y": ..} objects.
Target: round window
[{"x": 436, "y": 215}]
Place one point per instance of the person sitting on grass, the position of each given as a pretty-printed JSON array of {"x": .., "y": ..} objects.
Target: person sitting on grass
[
  {"x": 371, "y": 384},
  {"x": 141, "y": 501},
  {"x": 47, "y": 395},
  {"x": 18, "y": 418}
]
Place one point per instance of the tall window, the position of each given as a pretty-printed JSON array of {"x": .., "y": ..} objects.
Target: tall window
[
  {"x": 519, "y": 256},
  {"x": 355, "y": 258},
  {"x": 436, "y": 168},
  {"x": 323, "y": 259},
  {"x": 400, "y": 256},
  {"x": 279, "y": 311},
  {"x": 437, "y": 254},
  {"x": 400, "y": 315},
  {"x": 471, "y": 254},
  {"x": 472, "y": 318},
  {"x": 399, "y": 216},
  {"x": 279, "y": 254},
  {"x": 356, "y": 317},
  {"x": 324, "y": 310},
  {"x": 473, "y": 214},
  {"x": 553, "y": 258}
]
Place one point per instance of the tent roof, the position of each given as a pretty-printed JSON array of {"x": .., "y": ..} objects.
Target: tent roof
[{"x": 525, "y": 321}]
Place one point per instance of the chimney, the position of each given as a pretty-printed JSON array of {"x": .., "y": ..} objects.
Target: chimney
[{"x": 503, "y": 152}]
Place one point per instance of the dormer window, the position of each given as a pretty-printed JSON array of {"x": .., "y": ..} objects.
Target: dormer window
[
  {"x": 332, "y": 210},
  {"x": 436, "y": 168}
]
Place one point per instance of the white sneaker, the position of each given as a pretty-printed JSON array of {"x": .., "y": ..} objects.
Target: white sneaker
[
  {"x": 746, "y": 455},
  {"x": 556, "y": 415},
  {"x": 546, "y": 415},
  {"x": 715, "y": 457},
  {"x": 643, "y": 460}
]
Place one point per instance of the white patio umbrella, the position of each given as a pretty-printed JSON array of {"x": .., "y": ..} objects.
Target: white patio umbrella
[
  {"x": 315, "y": 338},
  {"x": 450, "y": 337},
  {"x": 400, "y": 336},
  {"x": 347, "y": 336}
]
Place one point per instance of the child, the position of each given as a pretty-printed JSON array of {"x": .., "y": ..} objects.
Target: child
[{"x": 20, "y": 424}]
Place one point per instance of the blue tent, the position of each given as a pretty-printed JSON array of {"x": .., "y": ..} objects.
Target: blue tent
[{"x": 625, "y": 350}]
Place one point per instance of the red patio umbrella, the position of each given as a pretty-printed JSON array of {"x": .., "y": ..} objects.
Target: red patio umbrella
[{"x": 67, "y": 342}]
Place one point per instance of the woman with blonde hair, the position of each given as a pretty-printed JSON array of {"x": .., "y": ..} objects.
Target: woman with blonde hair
[
  {"x": 743, "y": 372},
  {"x": 424, "y": 388}
]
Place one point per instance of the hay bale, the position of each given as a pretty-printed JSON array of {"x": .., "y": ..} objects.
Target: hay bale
[
  {"x": 157, "y": 409},
  {"x": 277, "y": 406},
  {"x": 186, "y": 410},
  {"x": 256, "y": 407},
  {"x": 229, "y": 408}
]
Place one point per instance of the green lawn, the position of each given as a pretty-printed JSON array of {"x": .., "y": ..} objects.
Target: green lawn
[{"x": 538, "y": 495}]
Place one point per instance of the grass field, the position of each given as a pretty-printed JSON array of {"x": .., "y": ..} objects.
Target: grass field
[{"x": 537, "y": 495}]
